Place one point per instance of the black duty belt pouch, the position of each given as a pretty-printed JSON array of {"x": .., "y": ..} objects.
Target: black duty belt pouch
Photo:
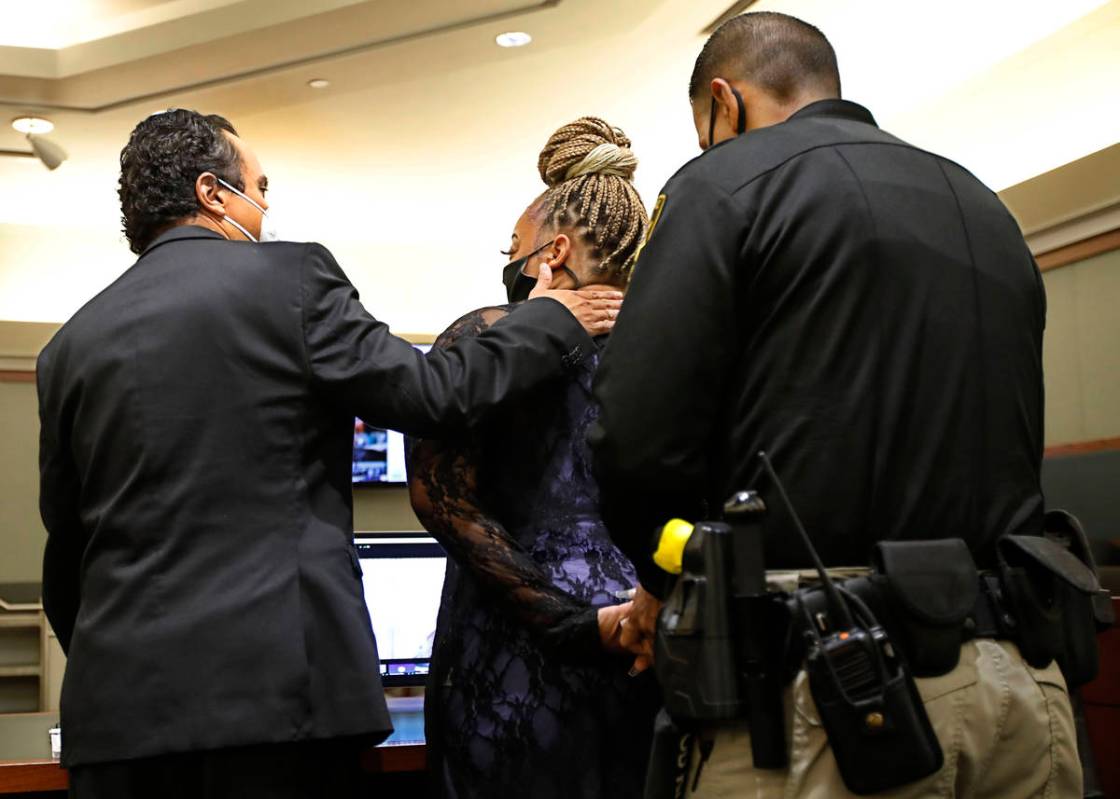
[
  {"x": 1051, "y": 593},
  {"x": 1063, "y": 527},
  {"x": 932, "y": 588}
]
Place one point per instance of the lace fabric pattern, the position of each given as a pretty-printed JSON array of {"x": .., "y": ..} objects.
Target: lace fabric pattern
[{"x": 522, "y": 701}]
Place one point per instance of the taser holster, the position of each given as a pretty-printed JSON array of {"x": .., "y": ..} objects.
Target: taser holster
[
  {"x": 694, "y": 649},
  {"x": 722, "y": 635}
]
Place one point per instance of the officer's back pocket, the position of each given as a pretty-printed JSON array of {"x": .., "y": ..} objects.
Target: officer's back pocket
[{"x": 1064, "y": 778}]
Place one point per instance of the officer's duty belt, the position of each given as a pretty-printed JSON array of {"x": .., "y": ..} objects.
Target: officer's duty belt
[{"x": 930, "y": 599}]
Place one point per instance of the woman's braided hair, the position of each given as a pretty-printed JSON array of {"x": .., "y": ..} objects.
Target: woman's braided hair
[{"x": 589, "y": 168}]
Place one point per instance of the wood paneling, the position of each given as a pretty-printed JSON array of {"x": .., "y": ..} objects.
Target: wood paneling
[
  {"x": 1079, "y": 251},
  {"x": 13, "y": 376},
  {"x": 1083, "y": 447}
]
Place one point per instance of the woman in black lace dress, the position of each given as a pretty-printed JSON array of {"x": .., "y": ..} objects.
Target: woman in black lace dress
[{"x": 529, "y": 695}]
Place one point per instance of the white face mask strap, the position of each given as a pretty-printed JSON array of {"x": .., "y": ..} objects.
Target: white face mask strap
[
  {"x": 235, "y": 223},
  {"x": 247, "y": 199},
  {"x": 243, "y": 196}
]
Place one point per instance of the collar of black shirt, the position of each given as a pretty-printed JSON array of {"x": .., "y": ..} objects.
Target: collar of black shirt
[{"x": 842, "y": 109}]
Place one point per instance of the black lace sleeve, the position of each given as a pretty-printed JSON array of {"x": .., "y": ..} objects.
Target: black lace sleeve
[{"x": 442, "y": 487}]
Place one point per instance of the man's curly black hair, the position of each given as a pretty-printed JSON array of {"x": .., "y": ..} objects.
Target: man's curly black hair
[{"x": 159, "y": 166}]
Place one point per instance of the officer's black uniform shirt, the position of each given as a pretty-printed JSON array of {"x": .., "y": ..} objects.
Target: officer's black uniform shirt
[{"x": 865, "y": 311}]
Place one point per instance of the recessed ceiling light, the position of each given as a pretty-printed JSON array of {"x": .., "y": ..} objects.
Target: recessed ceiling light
[
  {"x": 36, "y": 125},
  {"x": 318, "y": 83},
  {"x": 513, "y": 39}
]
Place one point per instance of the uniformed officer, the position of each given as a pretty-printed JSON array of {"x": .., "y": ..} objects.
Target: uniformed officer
[{"x": 869, "y": 314}]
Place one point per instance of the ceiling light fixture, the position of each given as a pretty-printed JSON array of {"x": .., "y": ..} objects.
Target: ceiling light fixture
[
  {"x": 513, "y": 39},
  {"x": 36, "y": 125},
  {"x": 49, "y": 153},
  {"x": 318, "y": 83}
]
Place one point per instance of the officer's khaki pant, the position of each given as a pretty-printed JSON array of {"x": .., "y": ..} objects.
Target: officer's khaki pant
[{"x": 1006, "y": 731}]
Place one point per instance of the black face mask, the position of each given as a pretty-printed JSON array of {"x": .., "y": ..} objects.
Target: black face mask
[
  {"x": 518, "y": 284},
  {"x": 740, "y": 123}
]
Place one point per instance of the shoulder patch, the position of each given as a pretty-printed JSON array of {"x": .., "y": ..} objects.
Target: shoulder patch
[{"x": 654, "y": 218}]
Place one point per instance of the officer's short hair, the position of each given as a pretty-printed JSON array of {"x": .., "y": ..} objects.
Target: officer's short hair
[{"x": 779, "y": 53}]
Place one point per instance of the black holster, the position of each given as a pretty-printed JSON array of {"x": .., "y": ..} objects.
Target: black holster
[
  {"x": 1057, "y": 603},
  {"x": 667, "y": 772},
  {"x": 721, "y": 638},
  {"x": 694, "y": 648}
]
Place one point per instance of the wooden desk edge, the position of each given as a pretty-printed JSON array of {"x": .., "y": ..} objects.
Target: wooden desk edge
[
  {"x": 390, "y": 759},
  {"x": 28, "y": 776}
]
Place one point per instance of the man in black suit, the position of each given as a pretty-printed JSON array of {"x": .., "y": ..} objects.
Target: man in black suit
[{"x": 197, "y": 418}]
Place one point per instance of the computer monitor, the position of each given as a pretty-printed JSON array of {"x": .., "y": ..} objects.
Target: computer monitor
[
  {"x": 402, "y": 576},
  {"x": 378, "y": 453}
]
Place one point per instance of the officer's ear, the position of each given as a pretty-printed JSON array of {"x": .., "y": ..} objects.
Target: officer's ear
[
  {"x": 207, "y": 192},
  {"x": 727, "y": 107},
  {"x": 559, "y": 252}
]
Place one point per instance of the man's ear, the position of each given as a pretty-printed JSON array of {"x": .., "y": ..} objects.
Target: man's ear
[
  {"x": 726, "y": 105},
  {"x": 559, "y": 252},
  {"x": 206, "y": 191}
]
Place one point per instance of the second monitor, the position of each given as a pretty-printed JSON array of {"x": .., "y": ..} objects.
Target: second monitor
[{"x": 402, "y": 576}]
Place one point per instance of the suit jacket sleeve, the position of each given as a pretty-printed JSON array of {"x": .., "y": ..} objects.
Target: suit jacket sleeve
[
  {"x": 356, "y": 362},
  {"x": 59, "y": 491},
  {"x": 443, "y": 487},
  {"x": 663, "y": 373}
]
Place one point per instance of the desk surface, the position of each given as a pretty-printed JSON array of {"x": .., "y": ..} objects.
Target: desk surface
[{"x": 26, "y": 765}]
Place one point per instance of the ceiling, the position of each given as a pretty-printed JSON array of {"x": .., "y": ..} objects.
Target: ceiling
[
  {"x": 63, "y": 26},
  {"x": 164, "y": 46},
  {"x": 413, "y": 165}
]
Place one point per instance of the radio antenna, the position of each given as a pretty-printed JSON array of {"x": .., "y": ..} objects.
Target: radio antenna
[{"x": 835, "y": 601}]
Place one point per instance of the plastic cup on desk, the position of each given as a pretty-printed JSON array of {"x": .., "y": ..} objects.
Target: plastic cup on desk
[{"x": 56, "y": 742}]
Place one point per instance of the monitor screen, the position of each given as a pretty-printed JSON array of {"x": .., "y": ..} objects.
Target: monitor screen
[
  {"x": 378, "y": 453},
  {"x": 402, "y": 576}
]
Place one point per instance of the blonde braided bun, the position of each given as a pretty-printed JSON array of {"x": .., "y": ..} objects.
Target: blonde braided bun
[
  {"x": 589, "y": 168},
  {"x": 606, "y": 159}
]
